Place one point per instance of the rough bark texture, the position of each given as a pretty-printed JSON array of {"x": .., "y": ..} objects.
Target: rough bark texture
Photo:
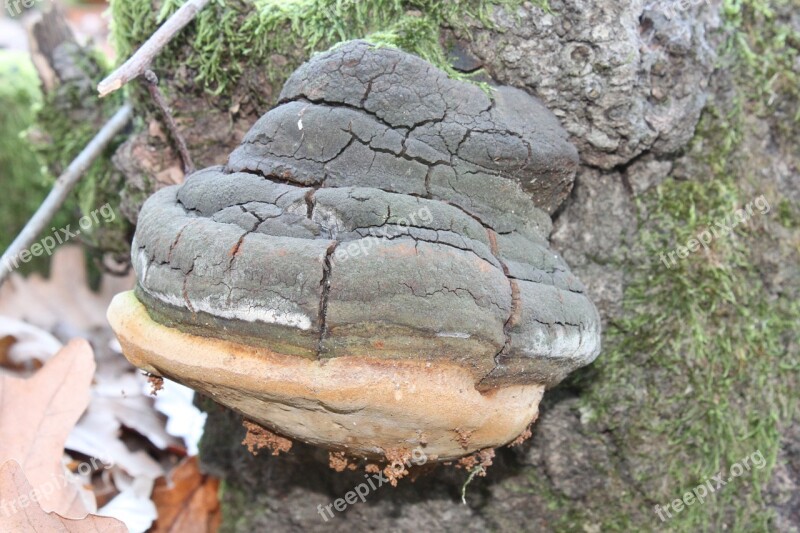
[{"x": 682, "y": 117}]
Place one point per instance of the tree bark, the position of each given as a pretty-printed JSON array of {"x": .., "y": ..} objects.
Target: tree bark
[{"x": 665, "y": 137}]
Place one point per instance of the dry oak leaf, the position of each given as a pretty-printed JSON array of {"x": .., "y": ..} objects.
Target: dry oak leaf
[
  {"x": 27, "y": 346},
  {"x": 37, "y": 414},
  {"x": 19, "y": 510},
  {"x": 64, "y": 300},
  {"x": 188, "y": 502}
]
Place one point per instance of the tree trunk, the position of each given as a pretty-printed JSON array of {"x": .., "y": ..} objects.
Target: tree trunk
[{"x": 684, "y": 114}]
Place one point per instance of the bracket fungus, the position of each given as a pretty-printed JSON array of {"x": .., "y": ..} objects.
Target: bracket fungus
[{"x": 370, "y": 271}]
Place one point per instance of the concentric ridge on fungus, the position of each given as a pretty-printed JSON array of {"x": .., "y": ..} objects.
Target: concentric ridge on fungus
[{"x": 380, "y": 211}]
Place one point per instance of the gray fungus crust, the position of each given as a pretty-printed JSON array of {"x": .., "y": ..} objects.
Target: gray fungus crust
[{"x": 380, "y": 210}]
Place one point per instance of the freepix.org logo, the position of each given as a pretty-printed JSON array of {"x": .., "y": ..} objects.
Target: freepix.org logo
[
  {"x": 48, "y": 243},
  {"x": 15, "y": 7}
]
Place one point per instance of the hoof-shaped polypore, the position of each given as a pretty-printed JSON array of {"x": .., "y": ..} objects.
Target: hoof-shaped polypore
[{"x": 371, "y": 270}]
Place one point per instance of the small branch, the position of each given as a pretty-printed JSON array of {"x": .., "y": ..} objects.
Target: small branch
[
  {"x": 151, "y": 80},
  {"x": 140, "y": 61},
  {"x": 61, "y": 188}
]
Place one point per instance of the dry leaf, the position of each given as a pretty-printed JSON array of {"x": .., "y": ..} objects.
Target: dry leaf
[
  {"x": 184, "y": 419},
  {"x": 188, "y": 502},
  {"x": 97, "y": 435},
  {"x": 37, "y": 414},
  {"x": 126, "y": 397},
  {"x": 27, "y": 344},
  {"x": 6, "y": 343},
  {"x": 65, "y": 306},
  {"x": 64, "y": 300},
  {"x": 133, "y": 506},
  {"x": 20, "y": 511}
]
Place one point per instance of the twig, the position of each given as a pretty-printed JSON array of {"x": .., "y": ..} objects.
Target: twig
[
  {"x": 61, "y": 188},
  {"x": 140, "y": 61},
  {"x": 151, "y": 80}
]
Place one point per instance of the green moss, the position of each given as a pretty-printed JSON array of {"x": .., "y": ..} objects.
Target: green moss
[
  {"x": 67, "y": 120},
  {"x": 225, "y": 33},
  {"x": 695, "y": 376},
  {"x": 708, "y": 341},
  {"x": 39, "y": 136},
  {"x": 235, "y": 504},
  {"x": 21, "y": 167},
  {"x": 568, "y": 516},
  {"x": 132, "y": 22},
  {"x": 788, "y": 214},
  {"x": 764, "y": 50}
]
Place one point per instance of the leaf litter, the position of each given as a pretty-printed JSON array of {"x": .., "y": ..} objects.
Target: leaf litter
[{"x": 83, "y": 440}]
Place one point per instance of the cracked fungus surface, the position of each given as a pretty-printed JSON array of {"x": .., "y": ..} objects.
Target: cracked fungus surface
[{"x": 382, "y": 210}]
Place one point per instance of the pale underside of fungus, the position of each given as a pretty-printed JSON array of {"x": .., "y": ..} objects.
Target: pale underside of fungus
[{"x": 370, "y": 271}]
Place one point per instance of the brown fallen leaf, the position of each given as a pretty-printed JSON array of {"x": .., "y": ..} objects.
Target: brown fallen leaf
[
  {"x": 37, "y": 414},
  {"x": 6, "y": 342},
  {"x": 189, "y": 502},
  {"x": 23, "y": 347},
  {"x": 64, "y": 300},
  {"x": 20, "y": 510}
]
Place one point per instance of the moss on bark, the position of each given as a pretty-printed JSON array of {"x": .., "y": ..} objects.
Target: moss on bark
[
  {"x": 229, "y": 37},
  {"x": 24, "y": 172},
  {"x": 69, "y": 117},
  {"x": 698, "y": 373},
  {"x": 22, "y": 169}
]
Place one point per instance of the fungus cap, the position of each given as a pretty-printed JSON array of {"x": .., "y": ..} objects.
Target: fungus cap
[{"x": 370, "y": 271}]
